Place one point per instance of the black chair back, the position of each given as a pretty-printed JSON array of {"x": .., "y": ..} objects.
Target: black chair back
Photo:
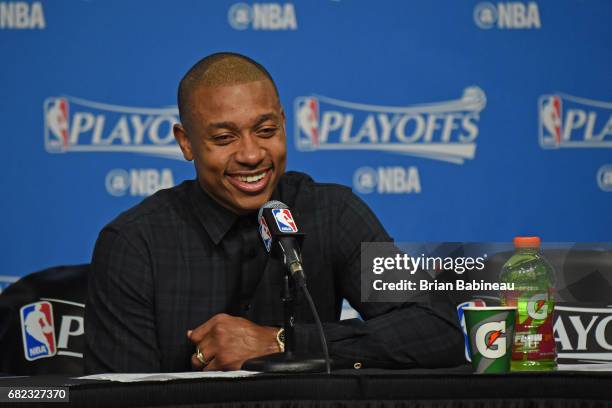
[{"x": 42, "y": 322}]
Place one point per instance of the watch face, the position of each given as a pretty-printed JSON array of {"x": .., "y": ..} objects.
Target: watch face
[
  {"x": 280, "y": 339},
  {"x": 280, "y": 336}
]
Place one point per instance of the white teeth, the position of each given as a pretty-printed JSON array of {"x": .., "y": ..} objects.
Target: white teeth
[{"x": 252, "y": 179}]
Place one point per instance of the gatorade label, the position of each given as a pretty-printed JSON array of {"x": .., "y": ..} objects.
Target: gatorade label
[{"x": 534, "y": 327}]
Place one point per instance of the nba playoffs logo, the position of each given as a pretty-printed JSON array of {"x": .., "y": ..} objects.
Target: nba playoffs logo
[
  {"x": 284, "y": 220},
  {"x": 441, "y": 131},
  {"x": 569, "y": 121},
  {"x": 550, "y": 121},
  {"x": 77, "y": 125},
  {"x": 264, "y": 232},
  {"x": 38, "y": 330},
  {"x": 308, "y": 121},
  {"x": 56, "y": 121}
]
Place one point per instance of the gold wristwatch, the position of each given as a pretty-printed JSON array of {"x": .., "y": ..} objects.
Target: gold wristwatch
[{"x": 280, "y": 339}]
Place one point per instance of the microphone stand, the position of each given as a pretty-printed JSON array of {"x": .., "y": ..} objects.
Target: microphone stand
[{"x": 288, "y": 361}]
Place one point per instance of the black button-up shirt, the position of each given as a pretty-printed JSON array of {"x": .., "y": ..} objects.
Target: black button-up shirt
[{"x": 178, "y": 258}]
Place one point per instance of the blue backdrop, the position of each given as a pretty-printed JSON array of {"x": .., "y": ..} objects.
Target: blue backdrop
[{"x": 453, "y": 120}]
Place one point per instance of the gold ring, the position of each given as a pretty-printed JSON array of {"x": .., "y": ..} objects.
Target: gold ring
[{"x": 201, "y": 358}]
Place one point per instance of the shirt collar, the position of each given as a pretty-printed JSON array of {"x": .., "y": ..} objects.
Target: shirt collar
[{"x": 217, "y": 220}]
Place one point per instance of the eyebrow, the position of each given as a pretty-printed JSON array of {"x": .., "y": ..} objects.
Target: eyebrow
[
  {"x": 231, "y": 125},
  {"x": 265, "y": 117}
]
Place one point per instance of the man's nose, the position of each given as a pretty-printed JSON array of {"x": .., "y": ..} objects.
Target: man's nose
[{"x": 250, "y": 152}]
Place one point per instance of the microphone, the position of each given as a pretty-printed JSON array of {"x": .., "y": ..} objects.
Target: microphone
[{"x": 281, "y": 236}]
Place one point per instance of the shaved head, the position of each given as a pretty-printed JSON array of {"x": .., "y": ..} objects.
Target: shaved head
[{"x": 215, "y": 70}]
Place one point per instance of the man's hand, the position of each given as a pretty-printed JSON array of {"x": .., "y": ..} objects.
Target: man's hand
[{"x": 226, "y": 342}]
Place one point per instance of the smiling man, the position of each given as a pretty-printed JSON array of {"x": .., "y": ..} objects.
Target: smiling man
[
  {"x": 234, "y": 130},
  {"x": 182, "y": 281}
]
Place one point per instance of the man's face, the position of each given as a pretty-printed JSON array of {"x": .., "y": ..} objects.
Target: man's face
[{"x": 236, "y": 136}]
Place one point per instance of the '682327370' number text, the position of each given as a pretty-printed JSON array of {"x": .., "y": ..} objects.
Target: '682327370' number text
[{"x": 51, "y": 394}]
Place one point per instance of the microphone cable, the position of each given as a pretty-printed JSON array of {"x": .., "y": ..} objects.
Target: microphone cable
[{"x": 315, "y": 314}]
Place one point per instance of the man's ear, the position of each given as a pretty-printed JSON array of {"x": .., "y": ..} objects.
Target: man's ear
[{"x": 183, "y": 141}]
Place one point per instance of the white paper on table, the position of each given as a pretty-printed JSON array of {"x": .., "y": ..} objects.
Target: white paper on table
[
  {"x": 585, "y": 367},
  {"x": 120, "y": 377}
]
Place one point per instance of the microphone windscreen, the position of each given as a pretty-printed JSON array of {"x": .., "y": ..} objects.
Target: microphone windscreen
[{"x": 271, "y": 204}]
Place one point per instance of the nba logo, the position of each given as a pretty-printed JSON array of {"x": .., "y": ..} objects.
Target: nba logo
[
  {"x": 56, "y": 124},
  {"x": 307, "y": 119},
  {"x": 550, "y": 121},
  {"x": 284, "y": 220},
  {"x": 38, "y": 330},
  {"x": 461, "y": 315},
  {"x": 264, "y": 232}
]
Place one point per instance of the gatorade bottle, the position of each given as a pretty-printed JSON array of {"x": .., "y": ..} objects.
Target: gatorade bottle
[{"x": 533, "y": 348}]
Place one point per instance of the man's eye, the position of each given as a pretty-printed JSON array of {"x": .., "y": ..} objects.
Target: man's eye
[
  {"x": 267, "y": 131},
  {"x": 223, "y": 139}
]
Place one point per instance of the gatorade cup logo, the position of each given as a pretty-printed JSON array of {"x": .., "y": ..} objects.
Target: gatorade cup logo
[
  {"x": 537, "y": 306},
  {"x": 491, "y": 331},
  {"x": 491, "y": 339}
]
